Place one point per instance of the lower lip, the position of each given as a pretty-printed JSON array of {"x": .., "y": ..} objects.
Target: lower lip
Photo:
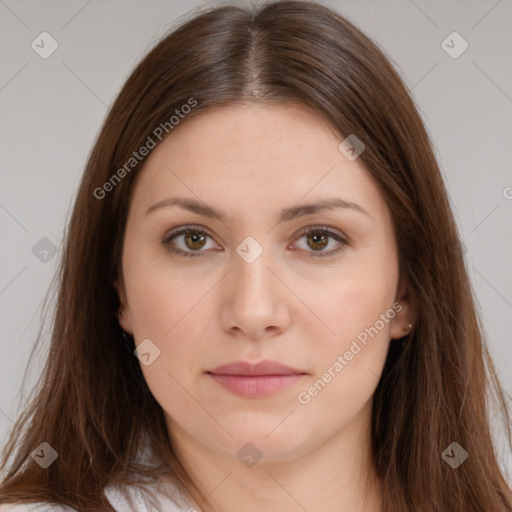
[{"x": 256, "y": 386}]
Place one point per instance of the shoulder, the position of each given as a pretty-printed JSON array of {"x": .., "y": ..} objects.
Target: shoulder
[
  {"x": 143, "y": 497},
  {"x": 35, "y": 507},
  {"x": 147, "y": 497}
]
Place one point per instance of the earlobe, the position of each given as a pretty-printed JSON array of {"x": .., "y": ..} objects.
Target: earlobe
[
  {"x": 121, "y": 294},
  {"x": 123, "y": 321},
  {"x": 405, "y": 313},
  {"x": 122, "y": 314}
]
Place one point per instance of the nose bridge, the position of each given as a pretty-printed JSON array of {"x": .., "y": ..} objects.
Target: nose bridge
[
  {"x": 252, "y": 277},
  {"x": 253, "y": 302}
]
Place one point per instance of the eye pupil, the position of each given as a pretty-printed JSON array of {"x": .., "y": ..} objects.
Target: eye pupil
[
  {"x": 317, "y": 238},
  {"x": 196, "y": 238}
]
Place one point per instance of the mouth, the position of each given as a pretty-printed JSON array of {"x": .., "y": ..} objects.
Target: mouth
[{"x": 255, "y": 380}]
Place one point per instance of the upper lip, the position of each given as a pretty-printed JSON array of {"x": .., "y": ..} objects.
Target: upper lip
[{"x": 261, "y": 368}]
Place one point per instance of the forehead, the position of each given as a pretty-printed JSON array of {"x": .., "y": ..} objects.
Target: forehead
[
  {"x": 260, "y": 137},
  {"x": 253, "y": 156}
]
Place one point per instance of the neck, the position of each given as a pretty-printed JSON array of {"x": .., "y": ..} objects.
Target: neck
[{"x": 335, "y": 476}]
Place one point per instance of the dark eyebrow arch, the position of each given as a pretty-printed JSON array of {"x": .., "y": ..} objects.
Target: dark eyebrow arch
[{"x": 287, "y": 214}]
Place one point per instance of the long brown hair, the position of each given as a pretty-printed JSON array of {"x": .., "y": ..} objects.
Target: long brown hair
[{"x": 92, "y": 404}]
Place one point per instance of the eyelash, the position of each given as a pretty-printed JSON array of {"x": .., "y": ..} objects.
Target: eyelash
[{"x": 312, "y": 229}]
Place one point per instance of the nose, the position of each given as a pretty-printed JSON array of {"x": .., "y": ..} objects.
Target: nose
[{"x": 255, "y": 302}]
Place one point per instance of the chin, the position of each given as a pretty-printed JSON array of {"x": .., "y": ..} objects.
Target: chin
[{"x": 263, "y": 439}]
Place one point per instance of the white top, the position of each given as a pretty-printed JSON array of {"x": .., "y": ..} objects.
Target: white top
[
  {"x": 144, "y": 497},
  {"x": 120, "y": 499}
]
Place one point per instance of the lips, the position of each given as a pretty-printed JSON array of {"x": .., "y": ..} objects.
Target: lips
[
  {"x": 262, "y": 368},
  {"x": 255, "y": 380}
]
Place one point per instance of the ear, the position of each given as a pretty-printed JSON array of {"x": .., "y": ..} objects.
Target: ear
[
  {"x": 125, "y": 320},
  {"x": 405, "y": 311}
]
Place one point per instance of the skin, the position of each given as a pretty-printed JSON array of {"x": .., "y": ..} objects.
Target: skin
[{"x": 251, "y": 162}]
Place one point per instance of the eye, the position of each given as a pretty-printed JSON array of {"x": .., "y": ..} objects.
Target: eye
[
  {"x": 194, "y": 239},
  {"x": 317, "y": 238}
]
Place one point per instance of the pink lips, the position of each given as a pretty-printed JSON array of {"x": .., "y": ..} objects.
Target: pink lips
[{"x": 255, "y": 380}]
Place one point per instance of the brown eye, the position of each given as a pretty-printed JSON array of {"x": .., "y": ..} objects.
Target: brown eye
[
  {"x": 194, "y": 239},
  {"x": 318, "y": 238},
  {"x": 188, "y": 241}
]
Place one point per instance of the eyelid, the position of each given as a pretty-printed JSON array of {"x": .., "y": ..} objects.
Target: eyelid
[
  {"x": 320, "y": 227},
  {"x": 181, "y": 230},
  {"x": 185, "y": 228},
  {"x": 341, "y": 238}
]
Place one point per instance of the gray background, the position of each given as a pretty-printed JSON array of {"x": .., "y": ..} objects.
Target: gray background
[{"x": 51, "y": 110}]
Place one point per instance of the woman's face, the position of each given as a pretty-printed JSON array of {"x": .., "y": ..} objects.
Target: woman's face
[{"x": 248, "y": 284}]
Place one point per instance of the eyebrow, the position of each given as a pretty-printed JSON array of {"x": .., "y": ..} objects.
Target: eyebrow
[{"x": 287, "y": 214}]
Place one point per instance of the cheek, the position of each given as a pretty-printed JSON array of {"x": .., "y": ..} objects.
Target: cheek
[
  {"x": 162, "y": 296},
  {"x": 355, "y": 299},
  {"x": 347, "y": 366},
  {"x": 171, "y": 321},
  {"x": 163, "y": 311},
  {"x": 166, "y": 304},
  {"x": 359, "y": 309}
]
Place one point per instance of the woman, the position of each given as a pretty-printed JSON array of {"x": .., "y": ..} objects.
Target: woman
[{"x": 263, "y": 303}]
